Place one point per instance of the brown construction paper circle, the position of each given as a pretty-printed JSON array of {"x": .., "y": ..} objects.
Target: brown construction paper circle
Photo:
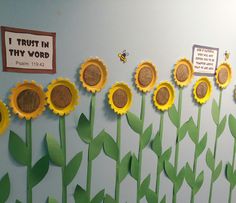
[
  {"x": 201, "y": 90},
  {"x": 120, "y": 98},
  {"x": 223, "y": 75},
  {"x": 182, "y": 72},
  {"x": 145, "y": 76},
  {"x": 28, "y": 101},
  {"x": 162, "y": 96},
  {"x": 61, "y": 96},
  {"x": 92, "y": 75}
]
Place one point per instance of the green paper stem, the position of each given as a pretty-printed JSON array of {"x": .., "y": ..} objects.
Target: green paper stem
[
  {"x": 29, "y": 165},
  {"x": 195, "y": 153},
  {"x": 89, "y": 166},
  {"x": 63, "y": 147},
  {"x": 215, "y": 149},
  {"x": 117, "y": 189},
  {"x": 159, "y": 163},
  {"x": 177, "y": 142}
]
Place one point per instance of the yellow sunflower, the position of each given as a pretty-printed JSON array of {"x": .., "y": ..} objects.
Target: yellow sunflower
[
  {"x": 4, "y": 117},
  {"x": 164, "y": 96},
  {"x": 202, "y": 90},
  {"x": 27, "y": 100},
  {"x": 93, "y": 74},
  {"x": 223, "y": 75},
  {"x": 145, "y": 76},
  {"x": 62, "y": 96},
  {"x": 120, "y": 98},
  {"x": 183, "y": 72}
]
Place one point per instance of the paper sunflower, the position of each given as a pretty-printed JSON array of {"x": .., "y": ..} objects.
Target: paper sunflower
[
  {"x": 120, "y": 98},
  {"x": 145, "y": 76},
  {"x": 164, "y": 95},
  {"x": 62, "y": 96},
  {"x": 202, "y": 90},
  {"x": 27, "y": 100},
  {"x": 223, "y": 75},
  {"x": 4, "y": 117},
  {"x": 93, "y": 74},
  {"x": 183, "y": 72}
]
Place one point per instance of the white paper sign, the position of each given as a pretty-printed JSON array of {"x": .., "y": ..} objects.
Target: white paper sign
[
  {"x": 205, "y": 59},
  {"x": 28, "y": 51}
]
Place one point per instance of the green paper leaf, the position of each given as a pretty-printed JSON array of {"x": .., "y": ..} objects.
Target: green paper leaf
[
  {"x": 144, "y": 186},
  {"x": 215, "y": 112},
  {"x": 84, "y": 129},
  {"x": 229, "y": 173},
  {"x": 174, "y": 115},
  {"x": 134, "y": 167},
  {"x": 217, "y": 172},
  {"x": 151, "y": 196},
  {"x": 180, "y": 179},
  {"x": 52, "y": 200},
  {"x": 221, "y": 127},
  {"x": 201, "y": 145},
  {"x": 110, "y": 147},
  {"x": 189, "y": 176},
  {"x": 193, "y": 131},
  {"x": 124, "y": 167},
  {"x": 54, "y": 151},
  {"x": 109, "y": 199},
  {"x": 156, "y": 145},
  {"x": 39, "y": 170},
  {"x": 145, "y": 138},
  {"x": 170, "y": 171},
  {"x": 98, "y": 197},
  {"x": 232, "y": 125},
  {"x": 166, "y": 155},
  {"x": 72, "y": 168},
  {"x": 198, "y": 183},
  {"x": 5, "y": 188},
  {"x": 210, "y": 160},
  {"x": 95, "y": 146},
  {"x": 163, "y": 199},
  {"x": 80, "y": 195},
  {"x": 18, "y": 149},
  {"x": 183, "y": 131},
  {"x": 134, "y": 122}
]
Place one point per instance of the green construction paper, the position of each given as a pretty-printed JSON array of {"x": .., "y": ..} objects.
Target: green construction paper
[
  {"x": 54, "y": 150},
  {"x": 189, "y": 176},
  {"x": 156, "y": 144},
  {"x": 215, "y": 112},
  {"x": 72, "y": 168},
  {"x": 80, "y": 195},
  {"x": 144, "y": 186},
  {"x": 201, "y": 145},
  {"x": 166, "y": 155},
  {"x": 109, "y": 199},
  {"x": 39, "y": 170},
  {"x": 52, "y": 200},
  {"x": 96, "y": 145},
  {"x": 231, "y": 175},
  {"x": 145, "y": 138},
  {"x": 193, "y": 131},
  {"x": 221, "y": 127},
  {"x": 232, "y": 125},
  {"x": 163, "y": 199},
  {"x": 84, "y": 129},
  {"x": 151, "y": 196},
  {"x": 217, "y": 172},
  {"x": 124, "y": 166},
  {"x": 210, "y": 160},
  {"x": 17, "y": 201},
  {"x": 134, "y": 122},
  {"x": 170, "y": 171},
  {"x": 134, "y": 167},
  {"x": 110, "y": 147},
  {"x": 98, "y": 197},
  {"x": 183, "y": 131},
  {"x": 198, "y": 183},
  {"x": 5, "y": 188},
  {"x": 179, "y": 179},
  {"x": 18, "y": 149},
  {"x": 174, "y": 115}
]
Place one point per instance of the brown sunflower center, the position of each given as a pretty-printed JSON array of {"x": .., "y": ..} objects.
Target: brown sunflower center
[
  {"x": 182, "y": 73},
  {"x": 92, "y": 75},
  {"x": 201, "y": 90},
  {"x": 28, "y": 101},
  {"x": 0, "y": 116},
  {"x": 223, "y": 75},
  {"x": 120, "y": 98},
  {"x": 145, "y": 76},
  {"x": 162, "y": 96},
  {"x": 61, "y": 96}
]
